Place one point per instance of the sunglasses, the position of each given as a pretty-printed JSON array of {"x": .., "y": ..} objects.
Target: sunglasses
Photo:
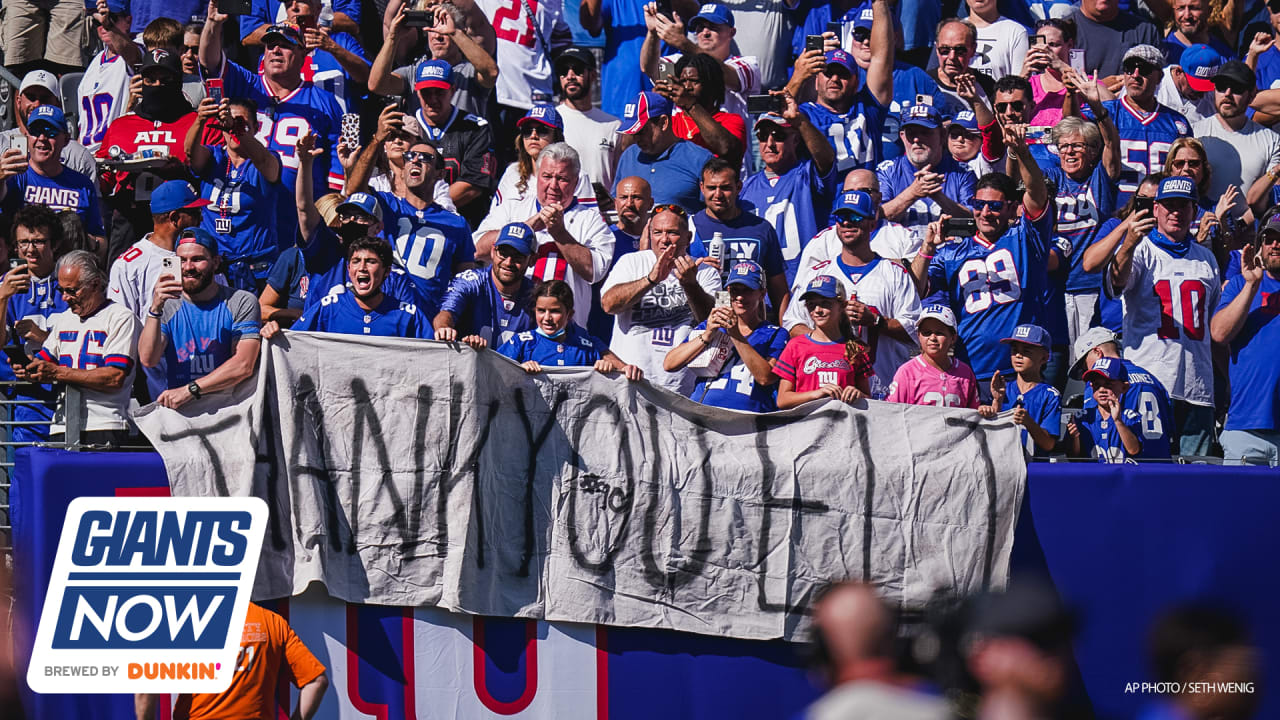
[
  {"x": 777, "y": 134},
  {"x": 863, "y": 35},
  {"x": 848, "y": 220},
  {"x": 533, "y": 128},
  {"x": 1017, "y": 106},
  {"x": 669, "y": 207},
  {"x": 1143, "y": 68},
  {"x": 1267, "y": 238},
  {"x": 993, "y": 205},
  {"x": 417, "y": 156},
  {"x": 959, "y": 133},
  {"x": 190, "y": 49},
  {"x": 1192, "y": 163},
  {"x": 1224, "y": 86},
  {"x": 957, "y": 50}
]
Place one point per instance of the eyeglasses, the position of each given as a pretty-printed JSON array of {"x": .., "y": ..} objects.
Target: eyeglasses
[
  {"x": 417, "y": 156},
  {"x": 863, "y": 35},
  {"x": 69, "y": 291},
  {"x": 959, "y": 133},
  {"x": 993, "y": 205},
  {"x": 1073, "y": 147},
  {"x": 1017, "y": 106},
  {"x": 777, "y": 134},
  {"x": 1191, "y": 163},
  {"x": 668, "y": 207},
  {"x": 957, "y": 50},
  {"x": 847, "y": 220},
  {"x": 1143, "y": 68},
  {"x": 361, "y": 218},
  {"x": 33, "y": 242},
  {"x": 534, "y": 128}
]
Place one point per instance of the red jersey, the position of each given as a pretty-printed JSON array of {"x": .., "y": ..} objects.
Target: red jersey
[
  {"x": 133, "y": 134},
  {"x": 686, "y": 129},
  {"x": 810, "y": 364},
  {"x": 266, "y": 645}
]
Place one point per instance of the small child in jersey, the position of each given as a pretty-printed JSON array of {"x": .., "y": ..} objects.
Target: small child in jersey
[
  {"x": 1109, "y": 431},
  {"x": 831, "y": 361},
  {"x": 1035, "y": 404},
  {"x": 557, "y": 341},
  {"x": 934, "y": 377}
]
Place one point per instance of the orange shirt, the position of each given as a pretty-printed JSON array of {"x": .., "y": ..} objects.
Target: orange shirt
[{"x": 267, "y": 640}]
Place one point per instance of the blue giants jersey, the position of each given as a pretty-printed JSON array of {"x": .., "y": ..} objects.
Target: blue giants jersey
[
  {"x": 1148, "y": 397},
  {"x": 796, "y": 204},
  {"x": 242, "y": 214},
  {"x": 326, "y": 266},
  {"x": 571, "y": 348},
  {"x": 1144, "y": 140},
  {"x": 1043, "y": 404},
  {"x": 340, "y": 313},
  {"x": 479, "y": 309},
  {"x": 1082, "y": 208},
  {"x": 993, "y": 288},
  {"x": 855, "y": 135},
  {"x": 898, "y": 174},
  {"x": 735, "y": 388},
  {"x": 70, "y": 190},
  {"x": 908, "y": 82},
  {"x": 429, "y": 243},
  {"x": 201, "y": 336},
  {"x": 285, "y": 120},
  {"x": 1255, "y": 374},
  {"x": 1099, "y": 437}
]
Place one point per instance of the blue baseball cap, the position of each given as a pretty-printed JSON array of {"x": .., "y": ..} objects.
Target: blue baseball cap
[
  {"x": 855, "y": 202},
  {"x": 1177, "y": 187},
  {"x": 284, "y": 31},
  {"x": 965, "y": 119},
  {"x": 1200, "y": 63},
  {"x": 920, "y": 114},
  {"x": 544, "y": 114},
  {"x": 517, "y": 236},
  {"x": 713, "y": 13},
  {"x": 433, "y": 74},
  {"x": 1031, "y": 335},
  {"x": 201, "y": 237},
  {"x": 941, "y": 313},
  {"x": 746, "y": 272},
  {"x": 842, "y": 59},
  {"x": 119, "y": 7},
  {"x": 824, "y": 286},
  {"x": 362, "y": 203},
  {"x": 50, "y": 115},
  {"x": 175, "y": 195},
  {"x": 864, "y": 18},
  {"x": 648, "y": 105},
  {"x": 1107, "y": 368}
]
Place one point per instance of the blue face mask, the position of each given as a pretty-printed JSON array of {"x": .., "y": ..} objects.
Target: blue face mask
[{"x": 544, "y": 334}]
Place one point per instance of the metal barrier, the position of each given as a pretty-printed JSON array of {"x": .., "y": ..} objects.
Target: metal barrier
[{"x": 14, "y": 397}]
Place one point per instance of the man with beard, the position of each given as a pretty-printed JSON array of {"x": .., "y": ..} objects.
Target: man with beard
[
  {"x": 851, "y": 113},
  {"x": 174, "y": 207},
  {"x": 883, "y": 304},
  {"x": 324, "y": 249},
  {"x": 658, "y": 295},
  {"x": 144, "y": 148},
  {"x": 670, "y": 165},
  {"x": 366, "y": 310},
  {"x": 633, "y": 202},
  {"x": 1247, "y": 319},
  {"x": 486, "y": 308},
  {"x": 1241, "y": 150},
  {"x": 40, "y": 177},
  {"x": 587, "y": 129},
  {"x": 925, "y": 182},
  {"x": 92, "y": 345},
  {"x": 1191, "y": 27},
  {"x": 474, "y": 70},
  {"x": 1147, "y": 128},
  {"x": 431, "y": 243},
  {"x": 888, "y": 240},
  {"x": 571, "y": 239},
  {"x": 205, "y": 333},
  {"x": 289, "y": 106}
]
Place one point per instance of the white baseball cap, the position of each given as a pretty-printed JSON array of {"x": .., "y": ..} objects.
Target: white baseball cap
[
  {"x": 41, "y": 78},
  {"x": 941, "y": 313}
]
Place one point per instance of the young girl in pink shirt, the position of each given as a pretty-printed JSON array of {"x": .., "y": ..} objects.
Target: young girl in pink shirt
[
  {"x": 934, "y": 377},
  {"x": 831, "y": 361}
]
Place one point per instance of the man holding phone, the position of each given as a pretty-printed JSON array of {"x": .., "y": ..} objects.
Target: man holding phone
[
  {"x": 713, "y": 27},
  {"x": 43, "y": 179},
  {"x": 41, "y": 87}
]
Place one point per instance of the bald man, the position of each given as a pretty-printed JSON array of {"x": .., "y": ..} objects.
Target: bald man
[
  {"x": 856, "y": 635},
  {"x": 632, "y": 200}
]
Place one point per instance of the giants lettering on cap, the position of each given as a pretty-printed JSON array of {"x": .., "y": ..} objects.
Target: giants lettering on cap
[
  {"x": 1180, "y": 185},
  {"x": 1206, "y": 71}
]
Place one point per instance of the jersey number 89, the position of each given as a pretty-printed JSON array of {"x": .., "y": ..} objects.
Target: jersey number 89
[{"x": 988, "y": 281}]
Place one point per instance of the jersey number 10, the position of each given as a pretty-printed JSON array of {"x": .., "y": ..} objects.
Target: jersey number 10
[{"x": 1181, "y": 306}]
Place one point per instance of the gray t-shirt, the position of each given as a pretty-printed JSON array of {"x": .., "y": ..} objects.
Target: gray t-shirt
[
  {"x": 1105, "y": 45},
  {"x": 74, "y": 155},
  {"x": 245, "y": 321},
  {"x": 764, "y": 30},
  {"x": 468, "y": 94}
]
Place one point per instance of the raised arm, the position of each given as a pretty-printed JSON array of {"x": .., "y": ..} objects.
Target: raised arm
[
  {"x": 880, "y": 69},
  {"x": 1230, "y": 320},
  {"x": 822, "y": 152},
  {"x": 1036, "y": 197},
  {"x": 382, "y": 77},
  {"x": 211, "y": 40},
  {"x": 197, "y": 154},
  {"x": 1092, "y": 94},
  {"x": 356, "y": 67},
  {"x": 474, "y": 52},
  {"x": 304, "y": 195},
  {"x": 389, "y": 120},
  {"x": 120, "y": 43},
  {"x": 591, "y": 17}
]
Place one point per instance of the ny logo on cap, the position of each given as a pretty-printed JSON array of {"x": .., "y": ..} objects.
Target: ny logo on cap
[
  {"x": 964, "y": 115},
  {"x": 1021, "y": 331},
  {"x": 919, "y": 111},
  {"x": 45, "y": 110},
  {"x": 359, "y": 197},
  {"x": 708, "y": 8},
  {"x": 516, "y": 231},
  {"x": 1103, "y": 364},
  {"x": 630, "y": 109}
]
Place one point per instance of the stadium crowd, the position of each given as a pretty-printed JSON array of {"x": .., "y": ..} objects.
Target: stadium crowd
[{"x": 1011, "y": 210}]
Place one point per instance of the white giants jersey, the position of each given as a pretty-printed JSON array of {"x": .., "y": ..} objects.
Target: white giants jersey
[
  {"x": 134, "y": 275},
  {"x": 104, "y": 91},
  {"x": 524, "y": 54}
]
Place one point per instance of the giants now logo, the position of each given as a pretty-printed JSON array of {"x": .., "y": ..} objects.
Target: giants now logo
[{"x": 148, "y": 595}]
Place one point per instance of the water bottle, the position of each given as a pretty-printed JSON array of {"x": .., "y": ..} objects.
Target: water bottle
[
  {"x": 326, "y": 14},
  {"x": 715, "y": 249}
]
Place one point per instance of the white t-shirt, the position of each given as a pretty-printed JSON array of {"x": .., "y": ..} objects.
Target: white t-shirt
[
  {"x": 1167, "y": 94},
  {"x": 107, "y": 338},
  {"x": 583, "y": 222},
  {"x": 103, "y": 93},
  {"x": 1002, "y": 46},
  {"x": 1167, "y": 306},
  {"x": 508, "y": 190},
  {"x": 661, "y": 320},
  {"x": 888, "y": 288},
  {"x": 1238, "y": 158},
  {"x": 594, "y": 134},
  {"x": 524, "y": 58},
  {"x": 134, "y": 275},
  {"x": 891, "y": 241}
]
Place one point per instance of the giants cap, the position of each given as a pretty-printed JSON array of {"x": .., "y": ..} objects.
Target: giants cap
[
  {"x": 1200, "y": 63},
  {"x": 544, "y": 115},
  {"x": 941, "y": 313},
  {"x": 433, "y": 74},
  {"x": 516, "y": 236},
  {"x": 1107, "y": 368},
  {"x": 746, "y": 272},
  {"x": 824, "y": 286},
  {"x": 648, "y": 105},
  {"x": 363, "y": 203}
]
